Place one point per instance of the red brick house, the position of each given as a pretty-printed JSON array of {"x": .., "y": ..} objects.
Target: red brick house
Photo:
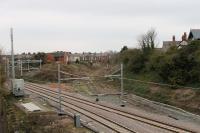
[{"x": 59, "y": 56}]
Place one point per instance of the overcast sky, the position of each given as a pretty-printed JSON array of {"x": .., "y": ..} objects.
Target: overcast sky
[{"x": 92, "y": 25}]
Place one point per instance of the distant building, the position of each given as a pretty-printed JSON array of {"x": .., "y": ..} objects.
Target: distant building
[
  {"x": 23, "y": 56},
  {"x": 91, "y": 57},
  {"x": 68, "y": 57},
  {"x": 76, "y": 57},
  {"x": 59, "y": 56},
  {"x": 194, "y": 34},
  {"x": 178, "y": 44},
  {"x": 168, "y": 44}
]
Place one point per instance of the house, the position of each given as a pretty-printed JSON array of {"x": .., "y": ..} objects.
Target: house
[
  {"x": 24, "y": 56},
  {"x": 169, "y": 44},
  {"x": 194, "y": 34},
  {"x": 59, "y": 56},
  {"x": 74, "y": 57},
  {"x": 91, "y": 57},
  {"x": 67, "y": 57},
  {"x": 178, "y": 44}
]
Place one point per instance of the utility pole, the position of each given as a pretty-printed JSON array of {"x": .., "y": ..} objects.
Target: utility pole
[
  {"x": 12, "y": 53},
  {"x": 40, "y": 63},
  {"x": 5, "y": 66},
  {"x": 59, "y": 90},
  {"x": 122, "y": 83},
  {"x": 122, "y": 87},
  {"x": 8, "y": 68},
  {"x": 28, "y": 65},
  {"x": 21, "y": 67}
]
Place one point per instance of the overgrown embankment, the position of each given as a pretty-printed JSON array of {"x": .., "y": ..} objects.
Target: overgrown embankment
[
  {"x": 16, "y": 120},
  {"x": 176, "y": 68},
  {"x": 13, "y": 119},
  {"x": 185, "y": 98},
  {"x": 49, "y": 72}
]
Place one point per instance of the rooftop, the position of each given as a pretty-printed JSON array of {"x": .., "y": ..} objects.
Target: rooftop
[{"x": 194, "y": 34}]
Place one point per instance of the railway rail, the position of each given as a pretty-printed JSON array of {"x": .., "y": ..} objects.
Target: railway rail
[{"x": 115, "y": 126}]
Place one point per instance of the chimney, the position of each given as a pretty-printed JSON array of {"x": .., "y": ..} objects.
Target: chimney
[
  {"x": 184, "y": 37},
  {"x": 173, "y": 38}
]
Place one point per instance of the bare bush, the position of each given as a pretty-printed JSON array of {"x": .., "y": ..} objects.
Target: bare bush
[{"x": 148, "y": 40}]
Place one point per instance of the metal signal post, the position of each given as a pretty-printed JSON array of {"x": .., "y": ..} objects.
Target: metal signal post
[
  {"x": 12, "y": 53},
  {"x": 122, "y": 82},
  {"x": 59, "y": 89}
]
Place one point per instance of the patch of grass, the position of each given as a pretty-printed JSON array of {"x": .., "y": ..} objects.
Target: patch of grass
[
  {"x": 144, "y": 76},
  {"x": 82, "y": 88},
  {"x": 136, "y": 88},
  {"x": 143, "y": 90},
  {"x": 160, "y": 97}
]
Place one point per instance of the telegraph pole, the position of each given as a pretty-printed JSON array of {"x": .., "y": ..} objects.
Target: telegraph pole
[
  {"x": 8, "y": 68},
  {"x": 5, "y": 66},
  {"x": 12, "y": 54},
  {"x": 21, "y": 67},
  {"x": 122, "y": 86},
  {"x": 59, "y": 90},
  {"x": 122, "y": 82},
  {"x": 28, "y": 65},
  {"x": 40, "y": 63}
]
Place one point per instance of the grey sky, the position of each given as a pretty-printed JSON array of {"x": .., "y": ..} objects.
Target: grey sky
[{"x": 92, "y": 25}]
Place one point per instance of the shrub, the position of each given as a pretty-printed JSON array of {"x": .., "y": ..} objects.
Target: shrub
[
  {"x": 177, "y": 66},
  {"x": 183, "y": 67}
]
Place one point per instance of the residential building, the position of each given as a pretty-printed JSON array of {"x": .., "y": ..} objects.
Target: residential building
[
  {"x": 168, "y": 44},
  {"x": 74, "y": 57},
  {"x": 59, "y": 56},
  {"x": 194, "y": 34},
  {"x": 91, "y": 57},
  {"x": 178, "y": 44}
]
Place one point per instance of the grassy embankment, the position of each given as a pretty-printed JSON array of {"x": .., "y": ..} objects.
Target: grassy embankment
[
  {"x": 14, "y": 119},
  {"x": 185, "y": 98},
  {"x": 17, "y": 120},
  {"x": 178, "y": 66}
]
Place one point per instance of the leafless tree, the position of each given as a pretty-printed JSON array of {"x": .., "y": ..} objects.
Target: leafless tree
[{"x": 147, "y": 41}]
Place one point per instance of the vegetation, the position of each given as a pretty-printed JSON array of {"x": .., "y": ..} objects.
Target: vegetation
[
  {"x": 2, "y": 74},
  {"x": 41, "y": 56},
  {"x": 178, "y": 66},
  {"x": 147, "y": 41},
  {"x": 16, "y": 120}
]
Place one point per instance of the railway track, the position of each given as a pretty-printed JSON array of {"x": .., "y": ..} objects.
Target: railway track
[{"x": 115, "y": 126}]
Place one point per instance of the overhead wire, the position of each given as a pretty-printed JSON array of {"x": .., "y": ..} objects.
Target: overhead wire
[{"x": 95, "y": 77}]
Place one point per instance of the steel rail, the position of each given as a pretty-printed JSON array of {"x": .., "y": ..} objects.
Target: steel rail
[
  {"x": 149, "y": 121},
  {"x": 99, "y": 118}
]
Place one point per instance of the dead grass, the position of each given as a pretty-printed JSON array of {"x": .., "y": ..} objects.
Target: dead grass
[{"x": 187, "y": 99}]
